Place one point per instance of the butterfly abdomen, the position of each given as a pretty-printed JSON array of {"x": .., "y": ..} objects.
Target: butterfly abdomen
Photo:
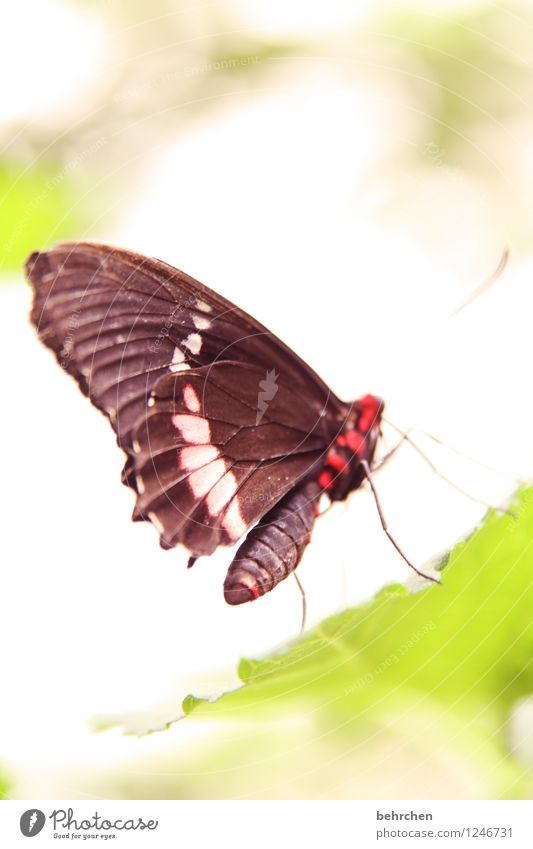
[{"x": 273, "y": 549}]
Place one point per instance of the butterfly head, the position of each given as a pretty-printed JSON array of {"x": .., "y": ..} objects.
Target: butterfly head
[
  {"x": 369, "y": 413},
  {"x": 365, "y": 427},
  {"x": 356, "y": 443}
]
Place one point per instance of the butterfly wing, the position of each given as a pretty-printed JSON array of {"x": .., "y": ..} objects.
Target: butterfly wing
[
  {"x": 206, "y": 469},
  {"x": 135, "y": 332}
]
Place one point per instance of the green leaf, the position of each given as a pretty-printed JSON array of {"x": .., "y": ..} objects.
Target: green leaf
[{"x": 408, "y": 695}]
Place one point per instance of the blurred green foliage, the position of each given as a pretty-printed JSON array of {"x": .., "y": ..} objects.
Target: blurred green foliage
[
  {"x": 462, "y": 72},
  {"x": 4, "y": 786},
  {"x": 407, "y": 696},
  {"x": 466, "y": 70},
  {"x": 39, "y": 204}
]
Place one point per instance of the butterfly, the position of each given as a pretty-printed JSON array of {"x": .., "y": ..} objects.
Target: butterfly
[{"x": 227, "y": 433}]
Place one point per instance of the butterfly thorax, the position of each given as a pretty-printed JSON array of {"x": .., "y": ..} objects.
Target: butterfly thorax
[{"x": 355, "y": 444}]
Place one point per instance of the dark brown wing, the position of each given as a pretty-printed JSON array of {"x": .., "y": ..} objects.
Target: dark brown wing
[
  {"x": 128, "y": 328},
  {"x": 206, "y": 468},
  {"x": 115, "y": 319}
]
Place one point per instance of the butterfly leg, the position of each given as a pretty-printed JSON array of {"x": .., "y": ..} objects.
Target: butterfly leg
[
  {"x": 368, "y": 475},
  {"x": 274, "y": 547},
  {"x": 390, "y": 454},
  {"x": 304, "y": 602}
]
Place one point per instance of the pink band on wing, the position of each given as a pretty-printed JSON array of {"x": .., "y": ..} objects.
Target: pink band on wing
[
  {"x": 192, "y": 402},
  {"x": 233, "y": 521},
  {"x": 196, "y": 456},
  {"x": 221, "y": 493},
  {"x": 202, "y": 480},
  {"x": 193, "y": 429}
]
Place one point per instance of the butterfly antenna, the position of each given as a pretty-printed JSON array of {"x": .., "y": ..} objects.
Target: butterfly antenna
[
  {"x": 476, "y": 462},
  {"x": 485, "y": 285},
  {"x": 405, "y": 437},
  {"x": 368, "y": 475},
  {"x": 304, "y": 602}
]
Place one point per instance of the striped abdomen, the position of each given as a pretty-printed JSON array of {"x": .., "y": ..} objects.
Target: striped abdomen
[{"x": 273, "y": 549}]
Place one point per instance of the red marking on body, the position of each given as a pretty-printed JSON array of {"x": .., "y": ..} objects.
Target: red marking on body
[
  {"x": 336, "y": 461},
  {"x": 316, "y": 508},
  {"x": 325, "y": 479},
  {"x": 355, "y": 441},
  {"x": 249, "y": 583},
  {"x": 341, "y": 440},
  {"x": 370, "y": 409}
]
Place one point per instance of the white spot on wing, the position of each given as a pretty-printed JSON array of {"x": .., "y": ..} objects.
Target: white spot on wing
[
  {"x": 200, "y": 322},
  {"x": 177, "y": 359},
  {"x": 201, "y": 305},
  {"x": 192, "y": 402},
  {"x": 156, "y": 523},
  {"x": 194, "y": 343},
  {"x": 136, "y": 446},
  {"x": 151, "y": 401},
  {"x": 140, "y": 484}
]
